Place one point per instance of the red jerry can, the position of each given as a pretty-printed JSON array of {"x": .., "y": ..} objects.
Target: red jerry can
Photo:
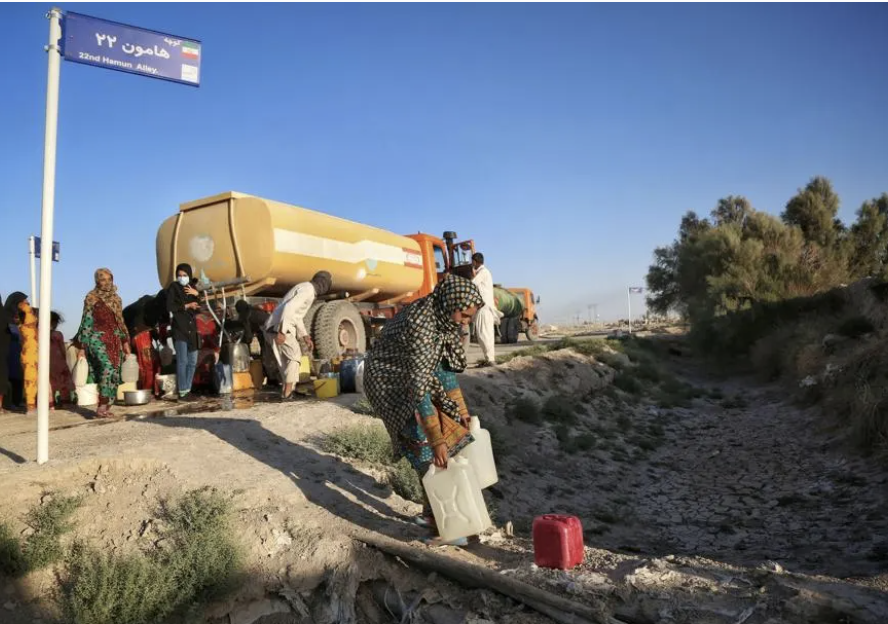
[{"x": 557, "y": 541}]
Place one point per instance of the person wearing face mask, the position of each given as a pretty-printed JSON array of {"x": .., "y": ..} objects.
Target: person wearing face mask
[
  {"x": 285, "y": 328},
  {"x": 182, "y": 303},
  {"x": 410, "y": 379},
  {"x": 103, "y": 338}
]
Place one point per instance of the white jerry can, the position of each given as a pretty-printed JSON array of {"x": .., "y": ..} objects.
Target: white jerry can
[{"x": 456, "y": 499}]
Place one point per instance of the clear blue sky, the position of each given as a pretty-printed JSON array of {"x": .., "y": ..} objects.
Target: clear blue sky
[{"x": 567, "y": 140}]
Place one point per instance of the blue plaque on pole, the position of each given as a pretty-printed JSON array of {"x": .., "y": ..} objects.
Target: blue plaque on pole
[
  {"x": 102, "y": 43},
  {"x": 56, "y": 249}
]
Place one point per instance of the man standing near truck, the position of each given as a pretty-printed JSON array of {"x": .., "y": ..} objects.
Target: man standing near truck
[
  {"x": 285, "y": 329},
  {"x": 488, "y": 316}
]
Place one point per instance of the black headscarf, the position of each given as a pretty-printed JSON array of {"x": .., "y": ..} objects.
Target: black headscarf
[
  {"x": 12, "y": 304},
  {"x": 323, "y": 282},
  {"x": 4, "y": 317}
]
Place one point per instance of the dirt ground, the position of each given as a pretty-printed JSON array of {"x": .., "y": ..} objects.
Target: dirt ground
[{"x": 742, "y": 508}]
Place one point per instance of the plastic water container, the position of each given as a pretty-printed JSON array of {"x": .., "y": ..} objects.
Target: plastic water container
[
  {"x": 88, "y": 394},
  {"x": 80, "y": 373},
  {"x": 222, "y": 378},
  {"x": 359, "y": 378},
  {"x": 456, "y": 498},
  {"x": 129, "y": 372},
  {"x": 479, "y": 454},
  {"x": 348, "y": 371},
  {"x": 557, "y": 541}
]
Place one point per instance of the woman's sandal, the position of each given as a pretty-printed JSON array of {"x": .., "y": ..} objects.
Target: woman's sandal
[
  {"x": 438, "y": 542},
  {"x": 425, "y": 522}
]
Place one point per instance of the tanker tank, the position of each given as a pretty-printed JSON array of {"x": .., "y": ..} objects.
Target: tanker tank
[
  {"x": 508, "y": 303},
  {"x": 275, "y": 246}
]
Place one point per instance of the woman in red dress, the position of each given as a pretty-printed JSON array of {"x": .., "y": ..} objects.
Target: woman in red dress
[{"x": 59, "y": 374}]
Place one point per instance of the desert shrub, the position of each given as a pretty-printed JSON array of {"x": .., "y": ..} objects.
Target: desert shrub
[
  {"x": 855, "y": 327},
  {"x": 49, "y": 522},
  {"x": 628, "y": 383},
  {"x": 559, "y": 409},
  {"x": 525, "y": 409},
  {"x": 648, "y": 371},
  {"x": 12, "y": 561},
  {"x": 405, "y": 482},
  {"x": 363, "y": 406},
  {"x": 368, "y": 442},
  {"x": 200, "y": 562},
  {"x": 616, "y": 361}
]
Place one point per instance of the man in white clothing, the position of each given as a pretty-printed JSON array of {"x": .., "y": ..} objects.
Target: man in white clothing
[
  {"x": 285, "y": 328},
  {"x": 488, "y": 316}
]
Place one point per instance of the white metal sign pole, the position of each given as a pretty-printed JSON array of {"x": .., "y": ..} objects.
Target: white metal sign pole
[
  {"x": 31, "y": 252},
  {"x": 629, "y": 301},
  {"x": 49, "y": 163}
]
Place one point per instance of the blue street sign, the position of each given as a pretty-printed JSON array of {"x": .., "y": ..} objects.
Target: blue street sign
[
  {"x": 102, "y": 43},
  {"x": 56, "y": 249}
]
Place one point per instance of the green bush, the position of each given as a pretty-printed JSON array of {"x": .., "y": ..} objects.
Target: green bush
[
  {"x": 199, "y": 562},
  {"x": 525, "y": 409},
  {"x": 12, "y": 561},
  {"x": 628, "y": 383},
  {"x": 559, "y": 409},
  {"x": 368, "y": 442},
  {"x": 405, "y": 482},
  {"x": 363, "y": 406},
  {"x": 48, "y": 522}
]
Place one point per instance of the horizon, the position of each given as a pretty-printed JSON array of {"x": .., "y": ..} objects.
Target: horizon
[{"x": 566, "y": 140}]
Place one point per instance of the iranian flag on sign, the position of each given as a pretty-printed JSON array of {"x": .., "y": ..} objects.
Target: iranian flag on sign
[{"x": 190, "y": 50}]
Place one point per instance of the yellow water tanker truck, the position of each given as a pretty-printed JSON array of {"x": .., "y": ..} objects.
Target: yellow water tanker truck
[{"x": 243, "y": 246}]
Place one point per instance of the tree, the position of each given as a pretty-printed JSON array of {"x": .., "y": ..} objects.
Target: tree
[
  {"x": 731, "y": 209},
  {"x": 814, "y": 209},
  {"x": 868, "y": 239}
]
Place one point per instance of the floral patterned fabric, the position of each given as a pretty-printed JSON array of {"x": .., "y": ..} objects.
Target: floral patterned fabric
[{"x": 102, "y": 339}]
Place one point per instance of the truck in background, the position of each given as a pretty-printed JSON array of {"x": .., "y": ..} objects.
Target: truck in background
[
  {"x": 519, "y": 314},
  {"x": 246, "y": 247}
]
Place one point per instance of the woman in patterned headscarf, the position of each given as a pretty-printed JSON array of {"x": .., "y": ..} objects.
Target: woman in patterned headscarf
[
  {"x": 409, "y": 377},
  {"x": 103, "y": 338}
]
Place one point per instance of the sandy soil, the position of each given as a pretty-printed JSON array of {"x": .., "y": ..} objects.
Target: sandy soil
[{"x": 727, "y": 511}]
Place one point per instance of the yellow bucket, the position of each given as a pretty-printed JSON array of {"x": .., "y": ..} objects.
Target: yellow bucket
[
  {"x": 305, "y": 369},
  {"x": 326, "y": 387}
]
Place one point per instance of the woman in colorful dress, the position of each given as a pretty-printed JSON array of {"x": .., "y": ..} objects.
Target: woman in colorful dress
[
  {"x": 103, "y": 338},
  {"x": 23, "y": 317},
  {"x": 59, "y": 374},
  {"x": 409, "y": 379}
]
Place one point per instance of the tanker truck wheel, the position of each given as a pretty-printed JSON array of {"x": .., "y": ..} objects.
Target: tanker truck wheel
[
  {"x": 338, "y": 327},
  {"x": 533, "y": 331},
  {"x": 311, "y": 315}
]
